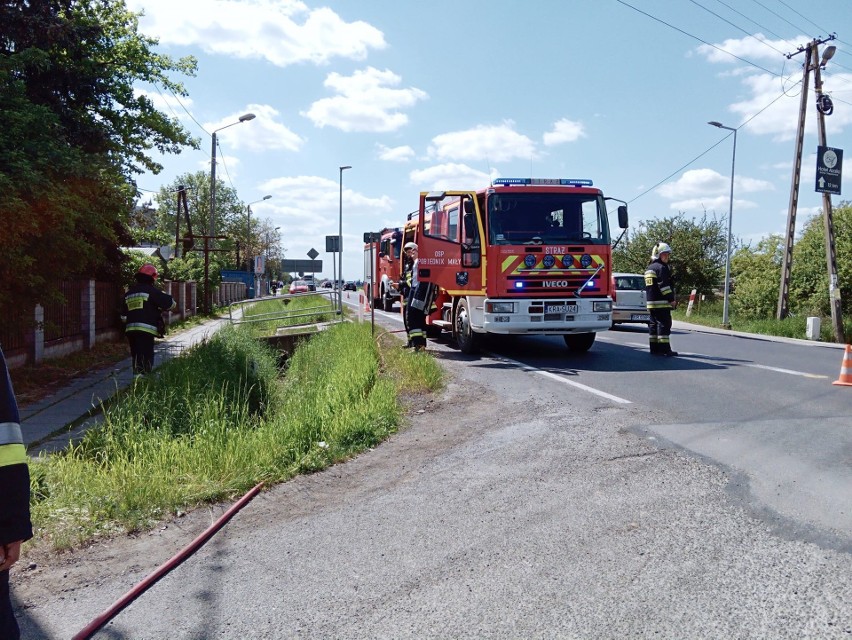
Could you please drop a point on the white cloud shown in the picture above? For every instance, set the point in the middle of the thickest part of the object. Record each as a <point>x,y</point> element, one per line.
<point>757,49</point>
<point>283,32</point>
<point>448,176</point>
<point>708,189</point>
<point>366,101</point>
<point>703,182</point>
<point>775,100</point>
<point>395,154</point>
<point>263,133</point>
<point>564,130</point>
<point>307,209</point>
<point>492,143</point>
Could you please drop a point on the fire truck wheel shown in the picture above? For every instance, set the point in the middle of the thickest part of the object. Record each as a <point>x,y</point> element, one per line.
<point>579,342</point>
<point>466,339</point>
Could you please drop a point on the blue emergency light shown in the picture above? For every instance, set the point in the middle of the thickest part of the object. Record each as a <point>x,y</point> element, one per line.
<point>534,182</point>
<point>519,284</point>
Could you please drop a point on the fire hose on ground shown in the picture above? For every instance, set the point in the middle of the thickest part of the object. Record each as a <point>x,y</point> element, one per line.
<point>166,567</point>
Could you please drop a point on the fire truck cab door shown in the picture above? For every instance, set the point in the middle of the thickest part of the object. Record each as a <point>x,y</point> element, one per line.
<point>450,243</point>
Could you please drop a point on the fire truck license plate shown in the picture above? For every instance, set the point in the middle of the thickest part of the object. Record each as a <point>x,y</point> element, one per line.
<point>560,308</point>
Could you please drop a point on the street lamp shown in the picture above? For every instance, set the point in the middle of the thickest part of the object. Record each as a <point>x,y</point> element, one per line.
<point>248,238</point>
<point>340,238</point>
<point>243,118</point>
<point>266,267</point>
<point>248,223</point>
<point>730,218</point>
<point>208,294</point>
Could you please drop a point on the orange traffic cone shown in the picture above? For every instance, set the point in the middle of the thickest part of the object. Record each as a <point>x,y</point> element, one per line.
<point>845,378</point>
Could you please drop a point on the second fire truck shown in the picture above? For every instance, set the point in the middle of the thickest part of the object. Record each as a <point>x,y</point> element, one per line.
<point>382,268</point>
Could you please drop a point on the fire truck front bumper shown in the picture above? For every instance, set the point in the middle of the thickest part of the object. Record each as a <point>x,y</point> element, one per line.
<point>546,317</point>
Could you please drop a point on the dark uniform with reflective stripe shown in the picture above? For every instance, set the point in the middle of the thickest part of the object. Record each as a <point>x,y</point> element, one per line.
<point>420,298</point>
<point>142,308</point>
<point>404,286</point>
<point>659,293</point>
<point>15,525</point>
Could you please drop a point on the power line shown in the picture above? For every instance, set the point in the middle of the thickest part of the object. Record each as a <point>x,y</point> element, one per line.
<point>755,23</point>
<point>706,151</point>
<point>763,42</point>
<point>694,37</point>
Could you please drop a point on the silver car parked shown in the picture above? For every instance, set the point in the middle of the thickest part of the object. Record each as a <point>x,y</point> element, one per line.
<point>628,298</point>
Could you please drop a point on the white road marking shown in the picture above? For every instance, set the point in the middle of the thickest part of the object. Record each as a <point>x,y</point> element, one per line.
<point>789,371</point>
<point>562,379</point>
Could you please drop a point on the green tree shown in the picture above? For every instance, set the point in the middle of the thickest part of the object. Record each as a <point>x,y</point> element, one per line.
<point>809,273</point>
<point>74,134</point>
<point>698,250</point>
<point>757,274</point>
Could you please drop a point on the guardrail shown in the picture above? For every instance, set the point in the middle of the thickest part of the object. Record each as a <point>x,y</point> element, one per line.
<point>328,304</point>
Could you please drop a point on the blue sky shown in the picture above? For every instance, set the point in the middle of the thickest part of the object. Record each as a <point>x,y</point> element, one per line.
<point>449,94</point>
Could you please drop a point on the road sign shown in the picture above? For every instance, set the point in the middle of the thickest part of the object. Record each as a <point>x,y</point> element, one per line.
<point>332,244</point>
<point>293,266</point>
<point>829,170</point>
<point>313,253</point>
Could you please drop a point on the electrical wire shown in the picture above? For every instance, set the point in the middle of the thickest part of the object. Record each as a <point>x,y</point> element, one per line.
<point>755,23</point>
<point>706,151</point>
<point>694,37</point>
<point>763,42</point>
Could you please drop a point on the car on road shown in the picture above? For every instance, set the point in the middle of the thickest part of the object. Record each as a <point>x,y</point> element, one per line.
<point>299,286</point>
<point>328,284</point>
<point>350,286</point>
<point>628,298</point>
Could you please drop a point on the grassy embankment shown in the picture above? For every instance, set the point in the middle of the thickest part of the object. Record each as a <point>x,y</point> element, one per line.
<point>709,314</point>
<point>221,418</point>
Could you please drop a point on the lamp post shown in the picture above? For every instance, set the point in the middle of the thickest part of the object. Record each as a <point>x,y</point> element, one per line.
<point>340,238</point>
<point>267,269</point>
<point>243,118</point>
<point>725,321</point>
<point>248,239</point>
<point>208,294</point>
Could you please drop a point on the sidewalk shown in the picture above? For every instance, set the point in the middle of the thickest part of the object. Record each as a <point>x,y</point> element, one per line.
<point>48,425</point>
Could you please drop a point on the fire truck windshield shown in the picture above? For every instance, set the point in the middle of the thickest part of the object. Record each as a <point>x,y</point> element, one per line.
<point>559,217</point>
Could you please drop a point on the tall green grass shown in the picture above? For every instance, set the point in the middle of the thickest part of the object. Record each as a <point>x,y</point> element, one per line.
<point>709,314</point>
<point>216,421</point>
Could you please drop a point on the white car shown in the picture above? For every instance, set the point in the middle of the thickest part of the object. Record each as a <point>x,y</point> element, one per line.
<point>628,298</point>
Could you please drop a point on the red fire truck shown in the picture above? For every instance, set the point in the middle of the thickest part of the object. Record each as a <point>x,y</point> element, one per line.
<point>526,256</point>
<point>382,268</point>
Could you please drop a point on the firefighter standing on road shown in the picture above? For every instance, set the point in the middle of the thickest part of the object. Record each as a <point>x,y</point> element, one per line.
<point>419,300</point>
<point>404,286</point>
<point>142,312</point>
<point>15,525</point>
<point>659,290</point>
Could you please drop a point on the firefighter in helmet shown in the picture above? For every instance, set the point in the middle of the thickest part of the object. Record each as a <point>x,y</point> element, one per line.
<point>404,285</point>
<point>420,297</point>
<point>660,296</point>
<point>142,310</point>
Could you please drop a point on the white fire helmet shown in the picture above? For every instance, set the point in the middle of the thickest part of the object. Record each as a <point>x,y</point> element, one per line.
<point>659,248</point>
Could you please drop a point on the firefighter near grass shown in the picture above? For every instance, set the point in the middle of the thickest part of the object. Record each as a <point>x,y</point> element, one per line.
<point>525,256</point>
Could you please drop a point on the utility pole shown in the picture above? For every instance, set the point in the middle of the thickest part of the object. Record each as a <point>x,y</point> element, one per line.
<point>812,62</point>
<point>787,262</point>
<point>830,252</point>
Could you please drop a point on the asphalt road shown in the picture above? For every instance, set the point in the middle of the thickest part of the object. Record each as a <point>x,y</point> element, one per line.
<point>545,495</point>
